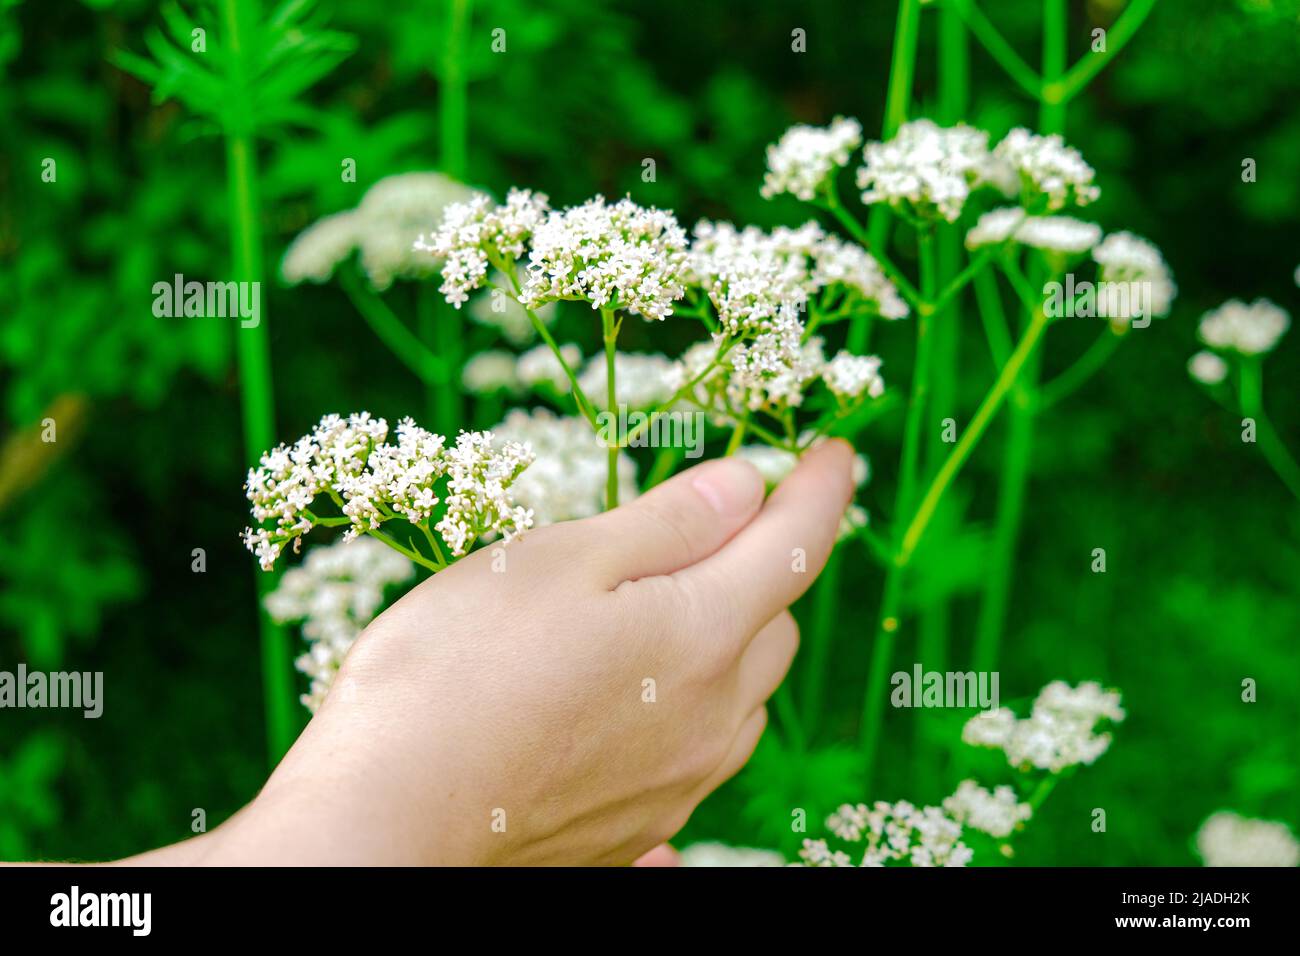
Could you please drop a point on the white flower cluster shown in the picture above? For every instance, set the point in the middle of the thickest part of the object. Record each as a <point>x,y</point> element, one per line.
<point>893,833</point>
<point>336,591</point>
<point>997,812</point>
<point>1227,839</point>
<point>1207,368</point>
<point>371,480</point>
<point>491,371</point>
<point>620,256</point>
<point>642,380</point>
<point>1248,329</point>
<point>383,227</point>
<point>750,276</point>
<point>1052,175</point>
<point>1063,234</point>
<point>476,234</point>
<point>567,478</point>
<point>1059,733</point>
<point>926,170</point>
<point>848,375</point>
<point>774,368</point>
<point>1125,258</point>
<point>722,855</point>
<point>806,157</point>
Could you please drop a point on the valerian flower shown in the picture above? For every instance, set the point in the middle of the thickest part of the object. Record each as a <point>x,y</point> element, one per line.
<point>335,593</point>
<point>477,234</point>
<point>926,171</point>
<point>1061,234</point>
<point>721,855</point>
<point>1123,257</point>
<point>849,376</point>
<point>1247,329</point>
<point>1051,174</point>
<point>997,812</point>
<point>894,833</point>
<point>383,228</point>
<point>1207,368</point>
<point>1059,733</point>
<point>489,372</point>
<point>567,478</point>
<point>620,256</point>
<point>1228,839</point>
<point>371,481</point>
<point>806,157</point>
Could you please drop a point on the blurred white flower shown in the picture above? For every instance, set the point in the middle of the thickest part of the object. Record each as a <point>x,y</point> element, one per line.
<point>1249,329</point>
<point>926,170</point>
<point>383,228</point>
<point>621,256</point>
<point>642,380</point>
<point>336,591</point>
<point>489,372</point>
<point>1060,731</point>
<point>1052,175</point>
<point>567,477</point>
<point>805,157</point>
<point>995,226</point>
<point>1126,258</point>
<point>997,812</point>
<point>893,833</point>
<point>1063,234</point>
<point>539,366</point>
<point>721,855</point>
<point>1207,368</point>
<point>498,309</point>
<point>1227,839</point>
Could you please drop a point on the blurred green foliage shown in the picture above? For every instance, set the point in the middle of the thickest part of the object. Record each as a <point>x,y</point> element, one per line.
<point>95,541</point>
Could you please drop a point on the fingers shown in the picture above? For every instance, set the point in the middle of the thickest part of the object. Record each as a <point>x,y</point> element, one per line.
<point>769,563</point>
<point>660,856</point>
<point>679,522</point>
<point>766,661</point>
<point>742,748</point>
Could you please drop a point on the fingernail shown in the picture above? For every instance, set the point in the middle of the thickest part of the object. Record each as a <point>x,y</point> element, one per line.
<point>729,485</point>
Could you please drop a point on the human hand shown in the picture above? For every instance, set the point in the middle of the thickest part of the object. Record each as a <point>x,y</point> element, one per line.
<point>567,699</point>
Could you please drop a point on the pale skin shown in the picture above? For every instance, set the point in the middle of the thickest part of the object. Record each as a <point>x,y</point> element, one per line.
<point>503,716</point>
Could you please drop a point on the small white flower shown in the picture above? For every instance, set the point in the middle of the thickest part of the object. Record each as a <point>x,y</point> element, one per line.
<point>926,170</point>
<point>805,157</point>
<point>620,256</point>
<point>1063,234</point>
<point>474,234</point>
<point>849,376</point>
<point>893,833</point>
<point>1052,174</point>
<point>997,812</point>
<point>1207,368</point>
<point>1248,329</point>
<point>1060,731</point>
<point>489,372</point>
<point>317,250</point>
<point>1227,839</point>
<point>1132,260</point>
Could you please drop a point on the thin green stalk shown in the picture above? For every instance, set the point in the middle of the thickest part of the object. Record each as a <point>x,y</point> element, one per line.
<point>666,460</point>
<point>737,434</point>
<point>1051,111</point>
<point>401,341</point>
<point>453,94</point>
<point>1085,367</point>
<point>998,48</point>
<point>1085,70</point>
<point>611,397</point>
<point>993,317</point>
<point>257,397</point>
<point>888,621</point>
<point>1251,385</point>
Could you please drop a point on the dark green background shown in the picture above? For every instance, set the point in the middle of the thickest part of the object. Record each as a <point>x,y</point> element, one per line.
<point>1203,563</point>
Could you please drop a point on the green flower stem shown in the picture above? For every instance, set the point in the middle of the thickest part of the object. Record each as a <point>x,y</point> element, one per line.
<point>1085,70</point>
<point>257,397</point>
<point>453,93</point>
<point>1051,110</point>
<point>401,341</point>
<point>666,460</point>
<point>411,553</point>
<point>681,394</point>
<point>860,235</point>
<point>1251,385</point>
<point>993,317</point>
<point>1018,362</point>
<point>887,628</point>
<point>983,29</point>
<point>1042,791</point>
<point>902,66</point>
<point>610,329</point>
<point>1085,367</point>
<point>789,714</point>
<point>737,434</point>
